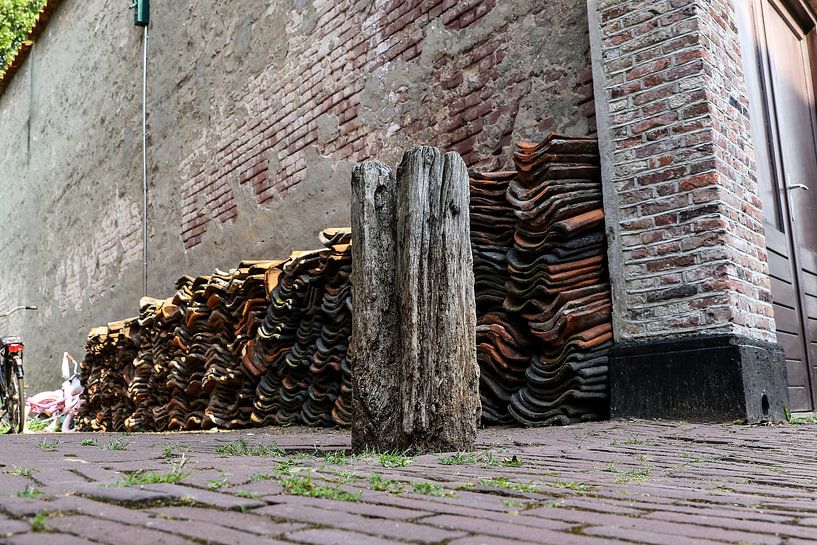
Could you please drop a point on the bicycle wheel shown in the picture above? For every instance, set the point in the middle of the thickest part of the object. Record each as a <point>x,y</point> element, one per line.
<point>15,402</point>
<point>5,418</point>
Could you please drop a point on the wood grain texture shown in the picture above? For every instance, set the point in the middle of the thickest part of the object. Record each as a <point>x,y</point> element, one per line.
<point>374,351</point>
<point>437,312</point>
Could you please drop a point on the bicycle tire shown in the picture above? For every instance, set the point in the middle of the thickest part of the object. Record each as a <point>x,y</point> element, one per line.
<point>5,419</point>
<point>21,404</point>
<point>16,401</point>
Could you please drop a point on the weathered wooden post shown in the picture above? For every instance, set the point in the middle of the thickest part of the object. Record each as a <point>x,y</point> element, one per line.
<point>439,381</point>
<point>375,332</point>
<point>425,398</point>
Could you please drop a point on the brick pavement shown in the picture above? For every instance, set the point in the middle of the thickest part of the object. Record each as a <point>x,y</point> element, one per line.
<point>611,482</point>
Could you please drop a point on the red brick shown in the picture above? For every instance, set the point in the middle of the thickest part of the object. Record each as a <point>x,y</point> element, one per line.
<point>671,263</point>
<point>656,121</point>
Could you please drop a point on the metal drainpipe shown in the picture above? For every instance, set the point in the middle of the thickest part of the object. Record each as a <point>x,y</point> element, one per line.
<point>141,17</point>
<point>145,163</point>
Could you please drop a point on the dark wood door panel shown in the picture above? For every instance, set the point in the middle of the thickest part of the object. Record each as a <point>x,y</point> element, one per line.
<point>792,345</point>
<point>797,374</point>
<point>799,398</point>
<point>807,258</point>
<point>810,306</point>
<point>779,265</point>
<point>808,281</point>
<point>786,319</point>
<point>783,293</point>
<point>810,328</point>
<point>776,240</point>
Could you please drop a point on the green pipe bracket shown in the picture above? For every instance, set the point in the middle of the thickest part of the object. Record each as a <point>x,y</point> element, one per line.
<point>141,15</point>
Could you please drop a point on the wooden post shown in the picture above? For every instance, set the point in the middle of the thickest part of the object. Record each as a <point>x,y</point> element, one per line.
<point>425,318</point>
<point>440,377</point>
<point>374,351</point>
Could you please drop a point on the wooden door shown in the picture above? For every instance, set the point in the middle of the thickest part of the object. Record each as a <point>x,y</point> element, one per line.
<point>779,37</point>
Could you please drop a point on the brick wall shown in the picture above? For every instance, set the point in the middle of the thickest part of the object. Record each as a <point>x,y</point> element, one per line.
<point>257,112</point>
<point>691,238</point>
<point>468,100</point>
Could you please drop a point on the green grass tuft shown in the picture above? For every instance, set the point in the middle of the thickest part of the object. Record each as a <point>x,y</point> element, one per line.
<point>171,450</point>
<point>29,492</point>
<point>154,477</point>
<point>393,459</point>
<point>286,467</point>
<point>39,521</point>
<point>385,485</point>
<point>342,477</point>
<point>302,485</point>
<point>240,447</point>
<point>502,482</point>
<point>431,489</point>
<point>37,424</point>
<point>634,475</point>
<point>174,476</point>
<point>457,459</point>
<point>635,440</point>
<point>520,505</point>
<point>805,419</point>
<point>489,459</point>
<point>48,444</point>
<point>117,444</point>
<point>336,457</point>
<point>513,461</point>
<point>247,494</point>
<point>216,484</point>
<point>578,486</point>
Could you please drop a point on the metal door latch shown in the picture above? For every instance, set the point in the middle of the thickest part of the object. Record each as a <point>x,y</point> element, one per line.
<point>795,186</point>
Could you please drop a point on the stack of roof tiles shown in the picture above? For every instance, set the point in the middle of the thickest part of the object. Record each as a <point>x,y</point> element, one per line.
<point>181,378</point>
<point>143,391</point>
<point>189,351</point>
<point>300,351</point>
<point>235,303</point>
<point>266,343</point>
<point>503,345</point>
<point>559,282</point>
<point>208,356</point>
<point>107,372</point>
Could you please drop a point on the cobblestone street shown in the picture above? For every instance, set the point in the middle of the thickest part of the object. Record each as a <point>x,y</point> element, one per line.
<point>612,482</point>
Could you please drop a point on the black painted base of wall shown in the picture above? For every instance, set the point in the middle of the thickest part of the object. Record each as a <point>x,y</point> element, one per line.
<point>706,378</point>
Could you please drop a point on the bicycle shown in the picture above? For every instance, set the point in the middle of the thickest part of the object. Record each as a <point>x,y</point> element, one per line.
<point>12,389</point>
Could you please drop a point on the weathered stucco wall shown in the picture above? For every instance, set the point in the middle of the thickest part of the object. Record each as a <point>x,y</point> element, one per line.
<point>257,112</point>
